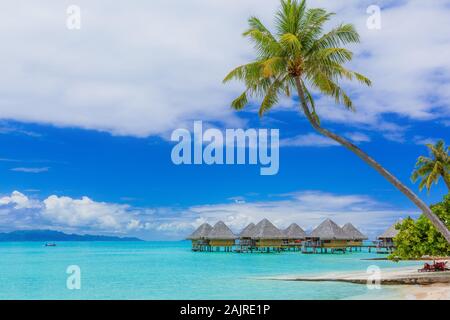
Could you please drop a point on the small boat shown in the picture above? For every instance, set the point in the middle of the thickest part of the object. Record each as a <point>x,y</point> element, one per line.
<point>50,244</point>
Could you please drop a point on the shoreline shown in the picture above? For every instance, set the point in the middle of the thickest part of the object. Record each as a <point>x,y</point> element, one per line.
<point>388,276</point>
<point>418,259</point>
<point>407,283</point>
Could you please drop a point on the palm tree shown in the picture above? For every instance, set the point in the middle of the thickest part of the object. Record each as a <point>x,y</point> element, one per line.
<point>300,56</point>
<point>430,169</point>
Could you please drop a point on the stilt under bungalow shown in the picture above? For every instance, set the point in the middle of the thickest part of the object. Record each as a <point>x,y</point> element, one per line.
<point>245,241</point>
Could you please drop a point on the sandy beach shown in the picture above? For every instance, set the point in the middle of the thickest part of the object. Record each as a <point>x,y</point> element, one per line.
<point>409,292</point>
<point>405,283</point>
<point>420,292</point>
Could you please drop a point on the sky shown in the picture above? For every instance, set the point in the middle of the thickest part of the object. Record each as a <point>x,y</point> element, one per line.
<point>86,118</point>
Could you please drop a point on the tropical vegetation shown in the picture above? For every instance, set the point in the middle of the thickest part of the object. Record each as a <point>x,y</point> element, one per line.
<point>300,57</point>
<point>418,238</point>
<point>430,169</point>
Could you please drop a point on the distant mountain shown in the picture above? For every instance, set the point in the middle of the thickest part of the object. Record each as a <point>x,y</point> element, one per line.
<point>49,235</point>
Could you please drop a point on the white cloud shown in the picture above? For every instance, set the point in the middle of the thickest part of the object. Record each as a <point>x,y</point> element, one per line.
<point>85,212</point>
<point>308,209</point>
<point>406,60</point>
<point>85,215</point>
<point>134,224</point>
<point>423,141</point>
<point>308,140</point>
<point>136,69</point>
<point>358,137</point>
<point>17,211</point>
<point>174,227</point>
<point>237,199</point>
<point>147,68</point>
<point>7,129</point>
<point>30,170</point>
<point>316,140</point>
<point>18,201</point>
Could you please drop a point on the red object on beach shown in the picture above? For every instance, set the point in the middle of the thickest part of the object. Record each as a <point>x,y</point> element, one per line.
<point>436,266</point>
<point>440,266</point>
<point>426,268</point>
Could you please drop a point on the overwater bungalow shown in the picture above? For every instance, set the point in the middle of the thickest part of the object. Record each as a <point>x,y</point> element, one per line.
<point>221,237</point>
<point>267,237</point>
<point>245,241</point>
<point>328,236</point>
<point>294,235</point>
<point>386,240</point>
<point>198,237</point>
<point>356,237</point>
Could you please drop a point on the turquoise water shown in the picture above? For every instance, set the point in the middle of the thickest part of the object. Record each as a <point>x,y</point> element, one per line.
<point>170,270</point>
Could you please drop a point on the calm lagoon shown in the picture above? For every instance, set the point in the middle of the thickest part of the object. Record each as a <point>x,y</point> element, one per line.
<point>170,270</point>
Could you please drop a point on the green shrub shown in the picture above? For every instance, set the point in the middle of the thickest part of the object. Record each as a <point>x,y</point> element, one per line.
<point>418,238</point>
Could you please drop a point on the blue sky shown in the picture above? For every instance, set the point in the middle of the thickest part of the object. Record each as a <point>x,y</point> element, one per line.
<point>85,124</point>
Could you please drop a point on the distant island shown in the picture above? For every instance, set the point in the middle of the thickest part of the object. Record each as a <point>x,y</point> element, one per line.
<point>50,235</point>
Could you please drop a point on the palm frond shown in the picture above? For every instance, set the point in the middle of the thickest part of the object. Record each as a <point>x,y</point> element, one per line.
<point>290,43</point>
<point>244,72</point>
<point>337,55</point>
<point>256,24</point>
<point>272,66</point>
<point>329,87</point>
<point>263,43</point>
<point>423,160</point>
<point>271,98</point>
<point>432,177</point>
<point>312,25</point>
<point>240,102</point>
<point>287,19</point>
<point>362,79</point>
<point>339,36</point>
<point>422,184</point>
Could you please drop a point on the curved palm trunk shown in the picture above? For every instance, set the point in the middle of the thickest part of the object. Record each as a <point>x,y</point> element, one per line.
<point>440,226</point>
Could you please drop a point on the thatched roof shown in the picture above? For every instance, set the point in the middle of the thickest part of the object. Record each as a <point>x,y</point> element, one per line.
<point>201,232</point>
<point>294,232</point>
<point>247,231</point>
<point>391,232</point>
<point>220,231</point>
<point>354,233</point>
<point>329,230</point>
<point>266,230</point>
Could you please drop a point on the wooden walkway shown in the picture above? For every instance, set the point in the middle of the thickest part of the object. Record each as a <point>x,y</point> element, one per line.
<point>303,249</point>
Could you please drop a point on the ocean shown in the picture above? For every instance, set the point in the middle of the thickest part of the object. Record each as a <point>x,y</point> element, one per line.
<point>170,270</point>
